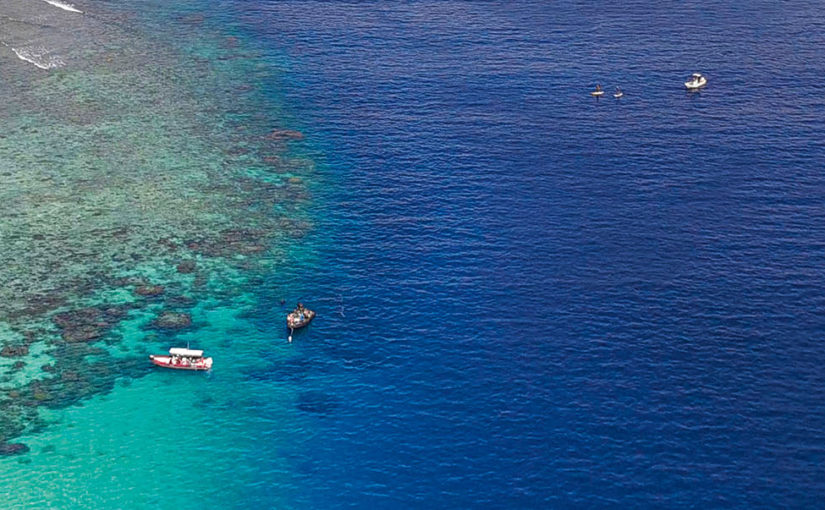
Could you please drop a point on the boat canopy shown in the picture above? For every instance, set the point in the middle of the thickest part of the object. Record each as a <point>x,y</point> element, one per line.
<point>180,351</point>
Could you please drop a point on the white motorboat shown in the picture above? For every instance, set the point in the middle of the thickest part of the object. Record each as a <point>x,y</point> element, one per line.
<point>182,359</point>
<point>598,92</point>
<point>696,81</point>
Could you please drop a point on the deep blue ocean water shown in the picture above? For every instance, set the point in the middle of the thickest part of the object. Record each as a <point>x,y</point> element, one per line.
<point>532,298</point>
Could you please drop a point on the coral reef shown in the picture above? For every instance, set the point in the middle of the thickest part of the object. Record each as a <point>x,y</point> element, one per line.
<point>127,186</point>
<point>172,320</point>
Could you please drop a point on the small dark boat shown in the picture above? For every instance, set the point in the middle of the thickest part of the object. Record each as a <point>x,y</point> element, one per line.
<point>299,317</point>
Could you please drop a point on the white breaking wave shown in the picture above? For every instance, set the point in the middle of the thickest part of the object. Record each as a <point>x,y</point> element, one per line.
<point>63,5</point>
<point>39,57</point>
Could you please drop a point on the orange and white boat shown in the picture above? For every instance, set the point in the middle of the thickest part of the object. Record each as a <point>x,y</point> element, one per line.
<point>182,359</point>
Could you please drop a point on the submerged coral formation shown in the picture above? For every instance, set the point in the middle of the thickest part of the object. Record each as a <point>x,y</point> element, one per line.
<point>130,176</point>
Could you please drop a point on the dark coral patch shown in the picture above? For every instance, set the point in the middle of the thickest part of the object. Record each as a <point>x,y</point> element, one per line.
<point>172,320</point>
<point>181,301</point>
<point>149,290</point>
<point>316,402</point>
<point>232,242</point>
<point>187,266</point>
<point>285,134</point>
<point>87,324</point>
<point>14,351</point>
<point>84,333</point>
<point>7,449</point>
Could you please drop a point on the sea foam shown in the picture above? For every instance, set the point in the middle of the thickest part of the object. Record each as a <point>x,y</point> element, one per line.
<point>39,57</point>
<point>63,5</point>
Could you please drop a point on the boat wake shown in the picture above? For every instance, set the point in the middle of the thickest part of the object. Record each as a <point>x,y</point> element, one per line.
<point>63,5</point>
<point>39,57</point>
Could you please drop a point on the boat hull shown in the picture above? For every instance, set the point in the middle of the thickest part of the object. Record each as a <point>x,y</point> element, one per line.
<point>166,362</point>
<point>293,321</point>
<point>696,84</point>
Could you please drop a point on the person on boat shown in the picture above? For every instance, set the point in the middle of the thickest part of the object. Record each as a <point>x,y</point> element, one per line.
<point>598,88</point>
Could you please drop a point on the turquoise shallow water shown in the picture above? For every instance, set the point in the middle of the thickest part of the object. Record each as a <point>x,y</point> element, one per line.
<point>149,173</point>
<point>168,440</point>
